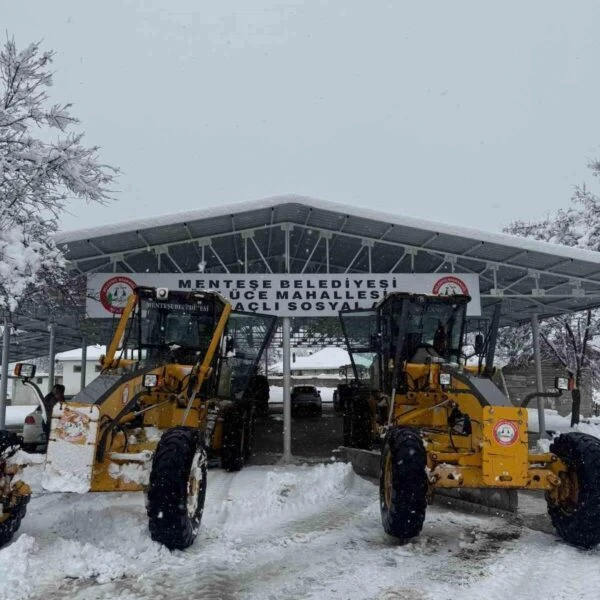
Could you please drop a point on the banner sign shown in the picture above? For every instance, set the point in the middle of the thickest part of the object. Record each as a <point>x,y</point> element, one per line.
<point>285,295</point>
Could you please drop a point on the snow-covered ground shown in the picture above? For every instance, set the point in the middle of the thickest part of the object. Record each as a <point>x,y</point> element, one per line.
<point>286,532</point>
<point>290,532</point>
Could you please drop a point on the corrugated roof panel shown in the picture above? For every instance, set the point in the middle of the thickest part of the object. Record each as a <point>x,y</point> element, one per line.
<point>495,252</point>
<point>216,223</point>
<point>451,244</point>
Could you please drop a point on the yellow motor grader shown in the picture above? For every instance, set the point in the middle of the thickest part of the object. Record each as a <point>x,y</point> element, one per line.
<point>170,394</point>
<point>442,424</point>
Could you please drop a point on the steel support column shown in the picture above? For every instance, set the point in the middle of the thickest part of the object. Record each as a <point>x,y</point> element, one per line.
<point>4,380</point>
<point>83,362</point>
<point>287,404</point>
<point>51,355</point>
<point>535,329</point>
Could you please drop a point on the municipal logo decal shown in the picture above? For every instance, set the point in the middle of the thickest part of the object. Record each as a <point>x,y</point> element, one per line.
<point>450,286</point>
<point>115,292</point>
<point>506,433</point>
<point>73,427</point>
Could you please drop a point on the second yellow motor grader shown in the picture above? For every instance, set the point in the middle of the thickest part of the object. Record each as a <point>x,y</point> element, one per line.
<point>442,424</point>
<point>171,393</point>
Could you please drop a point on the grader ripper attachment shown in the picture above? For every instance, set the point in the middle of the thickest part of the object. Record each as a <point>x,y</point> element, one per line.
<point>441,424</point>
<point>171,395</point>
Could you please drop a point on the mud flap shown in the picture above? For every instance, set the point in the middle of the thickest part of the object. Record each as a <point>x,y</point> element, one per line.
<point>71,449</point>
<point>367,464</point>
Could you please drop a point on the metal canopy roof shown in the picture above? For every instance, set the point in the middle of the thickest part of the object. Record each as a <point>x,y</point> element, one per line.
<point>304,235</point>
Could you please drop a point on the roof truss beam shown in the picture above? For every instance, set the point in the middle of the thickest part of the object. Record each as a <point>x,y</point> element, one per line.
<point>339,233</point>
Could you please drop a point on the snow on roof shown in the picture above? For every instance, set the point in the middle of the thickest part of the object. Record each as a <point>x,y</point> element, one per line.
<point>93,353</point>
<point>394,219</point>
<point>325,359</point>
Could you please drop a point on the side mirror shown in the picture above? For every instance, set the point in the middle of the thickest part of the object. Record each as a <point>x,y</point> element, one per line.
<point>479,344</point>
<point>24,370</point>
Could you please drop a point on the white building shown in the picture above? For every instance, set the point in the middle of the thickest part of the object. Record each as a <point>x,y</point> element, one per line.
<point>325,362</point>
<point>21,395</point>
<point>70,361</point>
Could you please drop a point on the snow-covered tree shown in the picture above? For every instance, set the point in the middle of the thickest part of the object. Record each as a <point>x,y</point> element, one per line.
<point>565,339</point>
<point>43,163</point>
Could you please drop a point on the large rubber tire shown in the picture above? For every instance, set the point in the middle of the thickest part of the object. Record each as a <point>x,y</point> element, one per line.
<point>232,446</point>
<point>403,483</point>
<point>177,489</point>
<point>12,522</point>
<point>576,517</point>
<point>249,431</point>
<point>357,423</point>
<point>262,407</point>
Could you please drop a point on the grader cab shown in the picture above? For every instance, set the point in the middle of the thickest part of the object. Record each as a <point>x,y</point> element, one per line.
<point>171,395</point>
<point>442,424</point>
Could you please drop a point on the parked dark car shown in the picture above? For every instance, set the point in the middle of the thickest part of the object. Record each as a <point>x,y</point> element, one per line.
<point>306,399</point>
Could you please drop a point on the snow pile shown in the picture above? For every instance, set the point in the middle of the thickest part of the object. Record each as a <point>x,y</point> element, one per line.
<point>287,532</point>
<point>15,564</point>
<point>104,537</point>
<point>289,491</point>
<point>131,472</point>
<point>100,538</point>
<point>558,424</point>
<point>31,469</point>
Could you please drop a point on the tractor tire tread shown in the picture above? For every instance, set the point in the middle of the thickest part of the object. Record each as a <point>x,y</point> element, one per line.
<point>404,518</point>
<point>232,450</point>
<point>11,525</point>
<point>581,526</point>
<point>169,522</point>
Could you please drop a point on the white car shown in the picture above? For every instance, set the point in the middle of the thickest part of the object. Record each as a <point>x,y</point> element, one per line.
<point>34,434</point>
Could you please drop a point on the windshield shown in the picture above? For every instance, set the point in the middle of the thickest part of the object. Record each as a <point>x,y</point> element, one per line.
<point>435,325</point>
<point>185,327</point>
<point>245,339</point>
<point>360,332</point>
<point>179,328</point>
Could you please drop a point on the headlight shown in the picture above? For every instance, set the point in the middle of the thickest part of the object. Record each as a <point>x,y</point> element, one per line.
<point>445,379</point>
<point>150,380</point>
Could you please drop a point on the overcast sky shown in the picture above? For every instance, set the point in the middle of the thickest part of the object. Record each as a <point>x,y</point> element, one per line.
<point>472,113</point>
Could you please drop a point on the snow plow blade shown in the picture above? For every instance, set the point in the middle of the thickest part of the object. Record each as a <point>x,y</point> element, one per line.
<point>489,500</point>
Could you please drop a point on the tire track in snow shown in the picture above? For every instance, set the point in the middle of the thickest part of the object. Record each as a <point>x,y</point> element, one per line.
<point>310,556</point>
<point>331,545</point>
<point>228,564</point>
<point>515,577</point>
